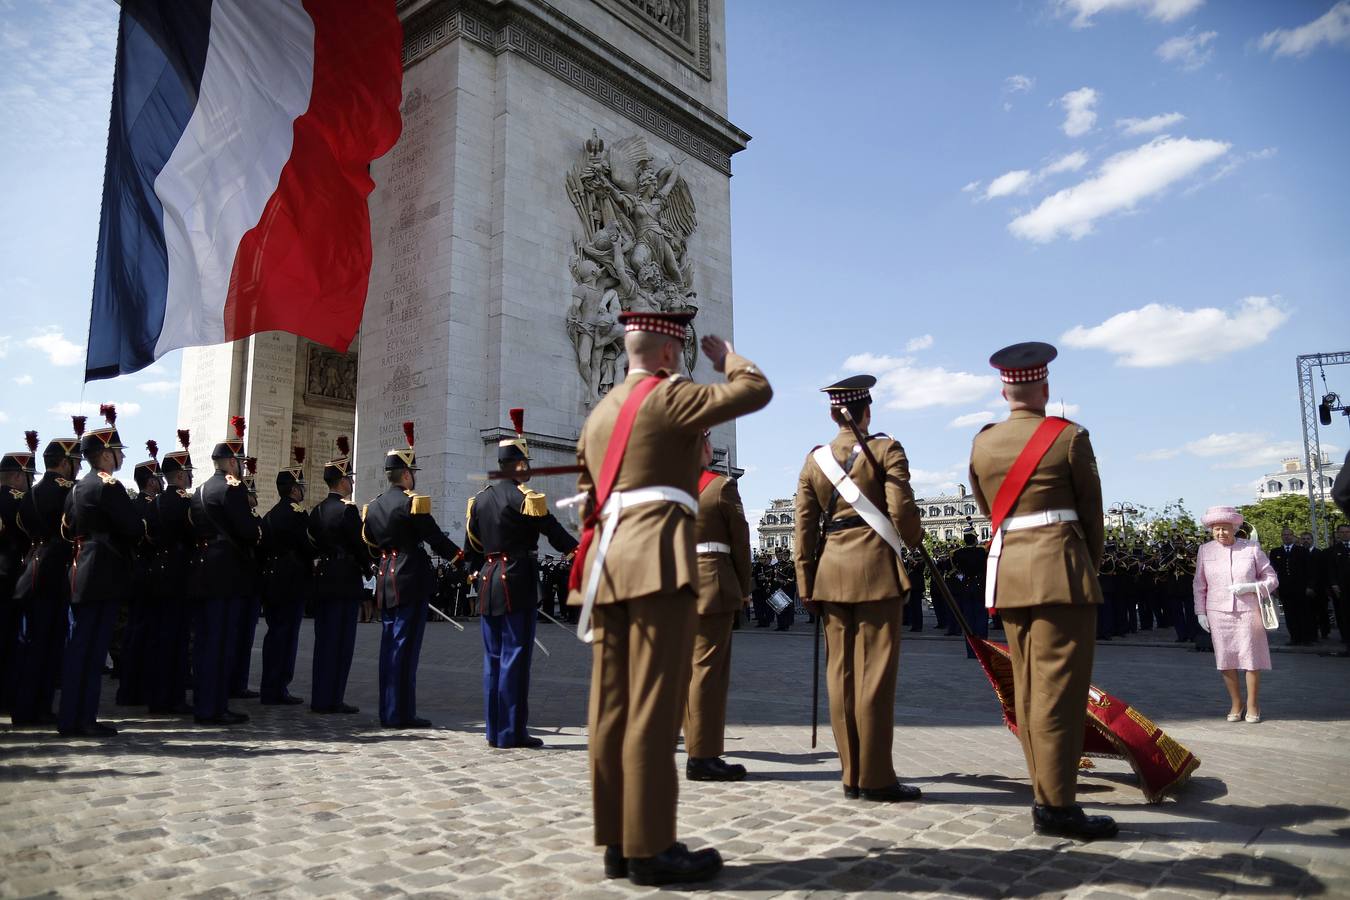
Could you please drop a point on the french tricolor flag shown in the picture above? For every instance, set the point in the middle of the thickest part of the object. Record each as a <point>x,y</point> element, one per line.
<point>234,199</point>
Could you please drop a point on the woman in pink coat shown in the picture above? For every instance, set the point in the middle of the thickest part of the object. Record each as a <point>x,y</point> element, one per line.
<point>1228,573</point>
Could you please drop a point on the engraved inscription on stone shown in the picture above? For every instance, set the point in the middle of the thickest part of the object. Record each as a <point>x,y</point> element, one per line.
<point>636,215</point>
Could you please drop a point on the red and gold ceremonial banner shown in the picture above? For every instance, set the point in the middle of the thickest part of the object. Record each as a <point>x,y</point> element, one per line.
<point>1114,728</point>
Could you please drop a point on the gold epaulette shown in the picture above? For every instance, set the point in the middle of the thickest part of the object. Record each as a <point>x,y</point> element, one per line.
<point>64,482</point>
<point>363,509</point>
<point>16,494</point>
<point>108,477</point>
<point>420,505</point>
<point>536,504</point>
<point>297,507</point>
<point>182,493</point>
<point>232,481</point>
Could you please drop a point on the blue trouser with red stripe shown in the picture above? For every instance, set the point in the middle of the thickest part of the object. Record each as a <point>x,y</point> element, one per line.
<point>215,623</point>
<point>508,647</point>
<point>334,641</point>
<point>91,628</point>
<point>400,648</point>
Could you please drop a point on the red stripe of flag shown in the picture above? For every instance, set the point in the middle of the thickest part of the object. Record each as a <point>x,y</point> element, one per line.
<point>305,267</point>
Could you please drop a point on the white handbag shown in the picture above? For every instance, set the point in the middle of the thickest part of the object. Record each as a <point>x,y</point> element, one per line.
<point>1269,618</point>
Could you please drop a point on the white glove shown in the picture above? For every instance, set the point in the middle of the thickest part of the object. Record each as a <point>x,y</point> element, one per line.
<point>1243,587</point>
<point>1204,623</point>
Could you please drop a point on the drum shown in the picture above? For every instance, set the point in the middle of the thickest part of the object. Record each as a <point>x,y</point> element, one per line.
<point>780,601</point>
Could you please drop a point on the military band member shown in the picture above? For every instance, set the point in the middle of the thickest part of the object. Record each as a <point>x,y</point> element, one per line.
<point>171,622</point>
<point>638,586</point>
<point>286,582</point>
<point>132,666</point>
<point>857,583</point>
<point>43,590</point>
<point>396,525</point>
<point>504,523</point>
<point>16,479</point>
<point>102,520</point>
<point>1042,575</point>
<point>724,574</point>
<point>227,533</point>
<point>968,565</point>
<point>339,589</point>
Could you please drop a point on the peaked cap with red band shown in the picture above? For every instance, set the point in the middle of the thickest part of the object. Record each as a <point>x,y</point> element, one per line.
<point>1024,363</point>
<point>671,324</point>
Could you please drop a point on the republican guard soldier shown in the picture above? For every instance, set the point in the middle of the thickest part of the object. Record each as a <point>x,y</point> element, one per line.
<point>969,562</point>
<point>103,522</point>
<point>16,479</point>
<point>171,625</point>
<point>396,525</point>
<point>286,582</point>
<point>851,519</point>
<point>503,525</point>
<point>227,535</point>
<point>241,653</point>
<point>343,562</point>
<point>638,586</point>
<point>43,590</point>
<point>133,662</point>
<point>1036,477</point>
<point>723,548</point>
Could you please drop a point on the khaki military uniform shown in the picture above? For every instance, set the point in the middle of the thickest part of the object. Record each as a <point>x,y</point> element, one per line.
<point>645,614</point>
<point>861,583</point>
<point>1047,593</point>
<point>723,585</point>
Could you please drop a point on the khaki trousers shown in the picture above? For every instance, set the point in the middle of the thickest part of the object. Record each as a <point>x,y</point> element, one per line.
<point>862,646</point>
<point>639,681</point>
<point>1051,649</point>
<point>705,719</point>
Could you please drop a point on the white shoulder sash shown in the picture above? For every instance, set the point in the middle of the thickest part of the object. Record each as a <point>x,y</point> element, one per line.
<point>877,520</point>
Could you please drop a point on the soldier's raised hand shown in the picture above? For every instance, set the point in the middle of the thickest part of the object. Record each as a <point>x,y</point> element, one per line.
<point>716,349</point>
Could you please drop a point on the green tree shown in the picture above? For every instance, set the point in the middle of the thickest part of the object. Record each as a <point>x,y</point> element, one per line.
<point>1271,515</point>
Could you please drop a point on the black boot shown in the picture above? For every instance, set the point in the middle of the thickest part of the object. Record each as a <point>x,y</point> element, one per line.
<point>1071,822</point>
<point>896,793</point>
<point>713,768</point>
<point>616,864</point>
<point>675,866</point>
<point>851,793</point>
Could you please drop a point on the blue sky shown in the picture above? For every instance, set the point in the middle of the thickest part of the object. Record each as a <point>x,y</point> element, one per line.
<point>1157,186</point>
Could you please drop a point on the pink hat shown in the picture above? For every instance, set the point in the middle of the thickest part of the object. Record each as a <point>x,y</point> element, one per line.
<point>1216,514</point>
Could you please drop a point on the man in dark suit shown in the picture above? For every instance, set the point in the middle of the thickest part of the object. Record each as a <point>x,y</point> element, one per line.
<point>171,620</point>
<point>227,534</point>
<point>16,479</point>
<point>396,525</point>
<point>1293,565</point>
<point>43,589</point>
<point>286,582</point>
<point>969,562</point>
<point>1337,569</point>
<point>343,562</point>
<point>103,522</point>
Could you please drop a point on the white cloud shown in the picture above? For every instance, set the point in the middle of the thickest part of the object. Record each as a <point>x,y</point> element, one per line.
<point>1232,450</point>
<point>1162,10</point>
<point>60,352</point>
<point>1190,50</point>
<point>970,187</point>
<point>922,342</point>
<point>1008,183</point>
<point>1120,184</point>
<point>1151,125</point>
<point>1069,162</point>
<point>1157,335</point>
<point>23,379</point>
<point>903,385</point>
<point>971,419</point>
<point>90,408</point>
<point>158,387</point>
<point>1331,28</point>
<point>934,482</point>
<point>4,417</point>
<point>1018,84</point>
<point>4,345</point>
<point>1231,166</point>
<point>1079,115</point>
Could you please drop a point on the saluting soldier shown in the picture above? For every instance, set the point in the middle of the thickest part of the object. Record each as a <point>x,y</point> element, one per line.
<point>286,582</point>
<point>241,659</point>
<point>43,590</point>
<point>133,664</point>
<point>170,627</point>
<point>1036,477</point>
<point>343,562</point>
<point>857,583</point>
<point>396,524</point>
<point>503,524</point>
<point>16,479</point>
<point>638,586</point>
<point>227,534</point>
<point>723,548</point>
<point>102,520</point>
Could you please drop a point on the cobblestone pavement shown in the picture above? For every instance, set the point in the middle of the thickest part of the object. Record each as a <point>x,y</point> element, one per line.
<point>301,805</point>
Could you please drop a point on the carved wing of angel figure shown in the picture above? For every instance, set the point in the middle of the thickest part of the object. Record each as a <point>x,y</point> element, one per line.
<point>677,214</point>
<point>626,159</point>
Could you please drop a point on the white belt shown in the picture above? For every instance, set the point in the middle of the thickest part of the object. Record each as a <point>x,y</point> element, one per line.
<point>1018,523</point>
<point>713,547</point>
<point>617,502</point>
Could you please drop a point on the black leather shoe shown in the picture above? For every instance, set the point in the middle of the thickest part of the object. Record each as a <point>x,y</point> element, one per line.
<point>347,710</point>
<point>417,723</point>
<point>675,866</point>
<point>529,742</point>
<point>98,729</point>
<point>71,732</point>
<point>1071,822</point>
<point>896,793</point>
<point>616,864</point>
<point>245,695</point>
<point>851,793</point>
<point>285,700</point>
<point>713,768</point>
<point>230,717</point>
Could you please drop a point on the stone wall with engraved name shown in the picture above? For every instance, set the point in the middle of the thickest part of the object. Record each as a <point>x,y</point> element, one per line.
<point>473,230</point>
<point>211,389</point>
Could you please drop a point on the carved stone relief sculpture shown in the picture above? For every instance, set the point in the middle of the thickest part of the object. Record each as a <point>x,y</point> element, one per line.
<point>330,377</point>
<point>636,217</point>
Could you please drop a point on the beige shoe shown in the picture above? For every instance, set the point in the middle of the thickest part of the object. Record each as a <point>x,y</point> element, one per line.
<point>1252,720</point>
<point>1235,717</point>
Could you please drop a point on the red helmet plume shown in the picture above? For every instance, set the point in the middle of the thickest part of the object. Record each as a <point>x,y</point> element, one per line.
<point>251,465</point>
<point>344,446</point>
<point>31,438</point>
<point>183,437</point>
<point>108,412</point>
<point>299,455</point>
<point>153,448</point>
<point>518,420</point>
<point>408,432</point>
<point>77,422</point>
<point>237,423</point>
